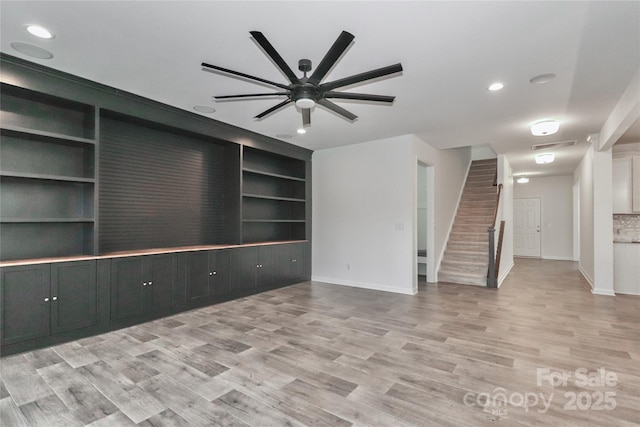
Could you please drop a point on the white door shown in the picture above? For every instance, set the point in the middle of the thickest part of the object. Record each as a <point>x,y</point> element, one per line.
<point>526,233</point>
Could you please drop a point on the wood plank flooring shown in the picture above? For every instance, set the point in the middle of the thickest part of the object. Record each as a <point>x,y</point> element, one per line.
<point>315,354</point>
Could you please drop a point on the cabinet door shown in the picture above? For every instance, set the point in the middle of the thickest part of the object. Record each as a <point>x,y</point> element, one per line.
<point>270,266</point>
<point>160,277</point>
<point>73,295</point>
<point>24,299</point>
<point>622,178</point>
<point>198,277</point>
<point>297,262</point>
<point>219,261</point>
<point>127,292</point>
<point>244,265</point>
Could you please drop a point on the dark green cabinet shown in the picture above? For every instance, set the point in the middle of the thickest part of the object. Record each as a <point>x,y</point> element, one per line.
<point>73,300</point>
<point>252,269</point>
<point>47,299</point>
<point>207,276</point>
<point>142,285</point>
<point>25,303</point>
<point>296,262</point>
<point>266,267</point>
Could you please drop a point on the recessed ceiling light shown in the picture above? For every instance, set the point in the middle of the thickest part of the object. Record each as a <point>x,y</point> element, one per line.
<point>542,78</point>
<point>39,31</point>
<point>545,127</point>
<point>31,50</point>
<point>495,86</point>
<point>301,131</point>
<point>522,180</point>
<point>542,159</point>
<point>204,109</point>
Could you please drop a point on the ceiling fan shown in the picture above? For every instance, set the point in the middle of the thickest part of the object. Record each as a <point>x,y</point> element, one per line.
<point>305,91</point>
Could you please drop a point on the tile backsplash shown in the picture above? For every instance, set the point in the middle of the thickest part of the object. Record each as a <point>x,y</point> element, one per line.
<point>626,228</point>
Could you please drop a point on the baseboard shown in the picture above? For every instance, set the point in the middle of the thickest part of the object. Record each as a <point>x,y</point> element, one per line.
<point>607,292</point>
<point>586,277</point>
<point>627,293</point>
<point>558,258</point>
<point>504,274</point>
<point>362,285</point>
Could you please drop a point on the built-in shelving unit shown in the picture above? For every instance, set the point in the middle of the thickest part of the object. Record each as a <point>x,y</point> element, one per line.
<point>115,209</point>
<point>273,197</point>
<point>47,174</point>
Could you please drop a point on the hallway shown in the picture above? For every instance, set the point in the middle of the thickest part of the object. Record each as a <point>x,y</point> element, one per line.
<point>327,355</point>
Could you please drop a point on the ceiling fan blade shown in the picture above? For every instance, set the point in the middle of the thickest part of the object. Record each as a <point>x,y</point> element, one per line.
<point>359,96</point>
<point>272,109</point>
<point>275,56</point>
<point>251,95</point>
<point>334,53</point>
<point>246,76</point>
<point>306,117</point>
<point>357,78</point>
<point>337,109</point>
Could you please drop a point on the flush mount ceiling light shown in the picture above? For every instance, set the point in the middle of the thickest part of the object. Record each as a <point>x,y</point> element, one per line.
<point>39,31</point>
<point>301,131</point>
<point>495,86</point>
<point>545,158</point>
<point>522,180</point>
<point>545,127</point>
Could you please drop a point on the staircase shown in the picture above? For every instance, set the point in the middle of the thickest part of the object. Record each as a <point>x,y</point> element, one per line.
<point>466,258</point>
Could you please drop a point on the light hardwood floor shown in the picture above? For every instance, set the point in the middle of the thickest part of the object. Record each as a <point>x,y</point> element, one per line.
<point>325,355</point>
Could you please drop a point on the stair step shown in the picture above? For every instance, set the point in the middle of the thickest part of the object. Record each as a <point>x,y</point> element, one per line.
<point>466,256</point>
<point>460,278</point>
<point>468,246</point>
<point>469,237</point>
<point>474,219</point>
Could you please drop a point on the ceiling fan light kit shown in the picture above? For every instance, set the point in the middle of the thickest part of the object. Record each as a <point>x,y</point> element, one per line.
<point>305,92</point>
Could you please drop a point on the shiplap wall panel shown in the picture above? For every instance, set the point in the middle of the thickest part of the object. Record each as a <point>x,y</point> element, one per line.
<point>158,188</point>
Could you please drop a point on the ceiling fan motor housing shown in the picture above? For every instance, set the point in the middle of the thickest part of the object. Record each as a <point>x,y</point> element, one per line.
<point>304,65</point>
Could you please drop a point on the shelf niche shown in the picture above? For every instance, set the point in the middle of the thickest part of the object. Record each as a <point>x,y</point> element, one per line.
<point>23,108</point>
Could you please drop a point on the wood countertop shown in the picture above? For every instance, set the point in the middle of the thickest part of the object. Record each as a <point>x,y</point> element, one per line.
<point>141,252</point>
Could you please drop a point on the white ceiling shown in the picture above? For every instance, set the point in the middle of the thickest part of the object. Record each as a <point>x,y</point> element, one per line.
<point>450,51</point>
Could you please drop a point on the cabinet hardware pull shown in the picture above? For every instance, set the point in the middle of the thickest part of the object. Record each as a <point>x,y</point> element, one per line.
<point>144,284</point>
<point>55,298</point>
<point>150,283</point>
<point>46,299</point>
<point>215,272</point>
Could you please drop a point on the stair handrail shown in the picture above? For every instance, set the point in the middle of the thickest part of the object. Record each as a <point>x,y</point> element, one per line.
<point>492,273</point>
<point>495,213</point>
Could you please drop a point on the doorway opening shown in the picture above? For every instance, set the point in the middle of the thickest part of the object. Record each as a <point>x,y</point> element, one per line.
<point>423,257</point>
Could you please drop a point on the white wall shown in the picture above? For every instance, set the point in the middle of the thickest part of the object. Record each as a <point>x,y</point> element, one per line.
<point>556,196</point>
<point>363,214</point>
<point>505,213</point>
<point>482,152</point>
<point>596,219</point>
<point>584,173</point>
<point>365,210</point>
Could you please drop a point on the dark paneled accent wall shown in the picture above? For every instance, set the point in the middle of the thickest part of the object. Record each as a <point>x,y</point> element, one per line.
<point>162,187</point>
